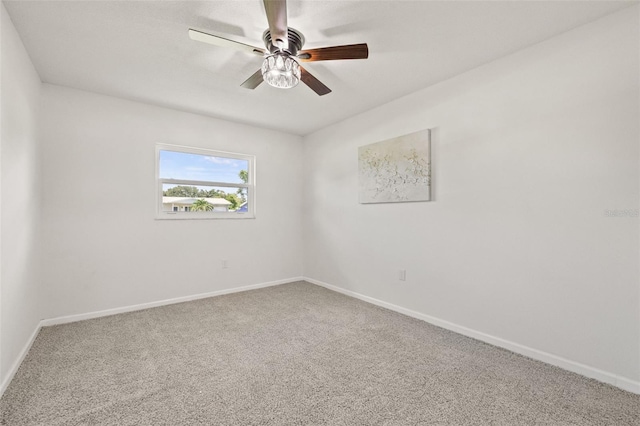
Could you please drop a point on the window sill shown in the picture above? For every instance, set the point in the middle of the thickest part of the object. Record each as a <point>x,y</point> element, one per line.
<point>204,216</point>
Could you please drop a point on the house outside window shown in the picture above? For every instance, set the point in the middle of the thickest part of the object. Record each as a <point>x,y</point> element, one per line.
<point>196,183</point>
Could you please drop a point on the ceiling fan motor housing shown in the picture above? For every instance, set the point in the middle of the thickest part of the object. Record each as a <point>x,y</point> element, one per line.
<point>295,38</point>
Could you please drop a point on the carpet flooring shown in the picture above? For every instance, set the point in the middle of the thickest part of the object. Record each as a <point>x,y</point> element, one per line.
<point>294,354</point>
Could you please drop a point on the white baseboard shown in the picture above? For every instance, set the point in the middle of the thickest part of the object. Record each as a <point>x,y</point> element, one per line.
<point>21,356</point>
<point>585,370</point>
<point>131,308</point>
<point>139,307</point>
<point>566,364</point>
<point>628,384</point>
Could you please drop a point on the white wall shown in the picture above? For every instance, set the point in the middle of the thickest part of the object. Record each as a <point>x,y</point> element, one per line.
<point>528,153</point>
<point>20,194</point>
<point>103,247</point>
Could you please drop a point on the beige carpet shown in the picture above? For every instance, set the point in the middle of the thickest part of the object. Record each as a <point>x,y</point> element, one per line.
<point>294,354</point>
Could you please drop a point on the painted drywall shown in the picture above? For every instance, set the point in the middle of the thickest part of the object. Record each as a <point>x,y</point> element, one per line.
<point>20,198</point>
<point>529,154</point>
<point>104,249</point>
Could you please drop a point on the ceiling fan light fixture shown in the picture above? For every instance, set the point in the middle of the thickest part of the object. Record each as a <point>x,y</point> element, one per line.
<point>281,70</point>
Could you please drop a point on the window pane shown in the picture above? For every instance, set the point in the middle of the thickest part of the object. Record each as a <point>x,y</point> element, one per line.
<point>182,165</point>
<point>195,199</point>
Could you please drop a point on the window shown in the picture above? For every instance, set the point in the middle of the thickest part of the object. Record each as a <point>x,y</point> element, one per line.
<point>194,183</point>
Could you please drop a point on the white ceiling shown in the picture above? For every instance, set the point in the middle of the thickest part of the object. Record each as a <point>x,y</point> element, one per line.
<point>140,50</point>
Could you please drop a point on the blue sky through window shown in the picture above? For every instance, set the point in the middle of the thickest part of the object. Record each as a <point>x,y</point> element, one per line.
<point>182,165</point>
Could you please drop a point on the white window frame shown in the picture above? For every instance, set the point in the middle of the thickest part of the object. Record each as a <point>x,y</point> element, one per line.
<point>250,185</point>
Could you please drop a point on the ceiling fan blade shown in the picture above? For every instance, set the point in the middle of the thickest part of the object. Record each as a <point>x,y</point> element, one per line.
<point>277,17</point>
<point>350,51</point>
<point>253,81</point>
<point>224,42</point>
<point>315,84</point>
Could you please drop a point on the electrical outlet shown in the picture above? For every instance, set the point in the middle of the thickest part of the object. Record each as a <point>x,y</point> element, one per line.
<point>225,264</point>
<point>402,275</point>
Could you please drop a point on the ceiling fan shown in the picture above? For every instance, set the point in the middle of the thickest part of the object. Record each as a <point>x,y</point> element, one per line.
<point>280,67</point>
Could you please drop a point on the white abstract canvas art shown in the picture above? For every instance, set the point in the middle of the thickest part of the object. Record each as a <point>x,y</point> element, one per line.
<point>396,170</point>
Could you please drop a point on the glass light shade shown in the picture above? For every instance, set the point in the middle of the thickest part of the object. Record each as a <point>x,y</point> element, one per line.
<point>281,70</point>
